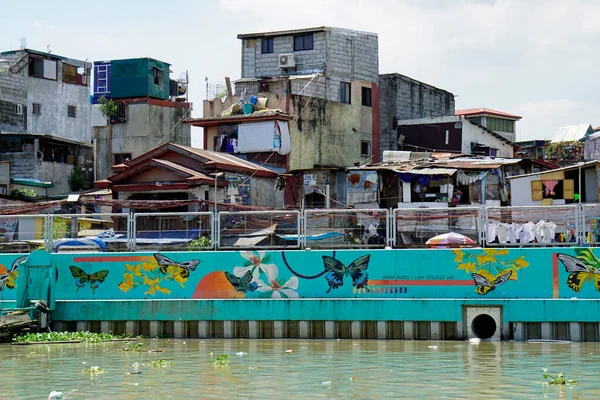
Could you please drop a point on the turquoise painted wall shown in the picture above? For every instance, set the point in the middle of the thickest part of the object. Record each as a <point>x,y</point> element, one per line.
<point>454,277</point>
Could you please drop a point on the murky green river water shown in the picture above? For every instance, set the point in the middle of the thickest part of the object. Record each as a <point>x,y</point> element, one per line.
<point>315,369</point>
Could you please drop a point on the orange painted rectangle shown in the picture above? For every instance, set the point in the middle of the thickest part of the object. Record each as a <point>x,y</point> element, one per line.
<point>423,282</point>
<point>555,276</point>
<point>112,258</point>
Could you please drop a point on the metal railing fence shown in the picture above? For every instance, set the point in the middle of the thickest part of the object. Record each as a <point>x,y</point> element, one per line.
<point>173,231</point>
<point>259,229</point>
<point>528,226</point>
<point>333,228</point>
<point>414,227</point>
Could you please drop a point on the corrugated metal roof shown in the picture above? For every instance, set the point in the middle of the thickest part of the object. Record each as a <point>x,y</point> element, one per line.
<point>255,116</point>
<point>281,33</point>
<point>572,133</point>
<point>569,168</point>
<point>432,171</point>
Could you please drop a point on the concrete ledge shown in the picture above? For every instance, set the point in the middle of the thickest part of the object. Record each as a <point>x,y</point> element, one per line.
<point>438,310</point>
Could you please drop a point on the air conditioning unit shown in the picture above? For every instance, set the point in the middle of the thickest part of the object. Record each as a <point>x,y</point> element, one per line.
<point>287,61</point>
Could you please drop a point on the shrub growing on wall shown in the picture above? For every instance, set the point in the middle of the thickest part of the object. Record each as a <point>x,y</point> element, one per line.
<point>24,193</point>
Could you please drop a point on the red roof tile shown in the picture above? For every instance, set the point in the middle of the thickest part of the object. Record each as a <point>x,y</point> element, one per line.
<point>468,112</point>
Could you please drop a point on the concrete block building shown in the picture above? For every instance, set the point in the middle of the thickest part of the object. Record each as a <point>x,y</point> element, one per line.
<point>326,79</point>
<point>151,107</point>
<point>45,120</point>
<point>404,98</point>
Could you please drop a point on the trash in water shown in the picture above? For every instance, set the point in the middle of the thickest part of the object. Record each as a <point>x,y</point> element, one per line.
<point>240,354</point>
<point>432,347</point>
<point>135,365</point>
<point>326,383</point>
<point>351,378</point>
<point>474,340</point>
<point>55,395</point>
<point>289,351</point>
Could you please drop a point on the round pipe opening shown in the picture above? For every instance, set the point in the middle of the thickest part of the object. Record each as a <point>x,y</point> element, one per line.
<point>483,326</point>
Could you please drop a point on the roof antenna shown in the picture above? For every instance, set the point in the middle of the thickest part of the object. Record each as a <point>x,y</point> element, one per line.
<point>48,49</point>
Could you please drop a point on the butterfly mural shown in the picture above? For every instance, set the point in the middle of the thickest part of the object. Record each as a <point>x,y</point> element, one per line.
<point>82,278</point>
<point>484,286</point>
<point>581,271</point>
<point>184,267</point>
<point>243,284</point>
<point>8,277</point>
<point>337,270</point>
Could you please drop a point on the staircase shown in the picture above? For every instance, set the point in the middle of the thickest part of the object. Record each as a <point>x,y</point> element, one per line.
<point>19,65</point>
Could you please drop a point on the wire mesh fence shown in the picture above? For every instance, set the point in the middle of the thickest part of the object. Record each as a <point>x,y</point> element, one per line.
<point>173,231</point>
<point>89,232</point>
<point>532,226</point>
<point>259,229</point>
<point>590,224</point>
<point>346,228</point>
<point>436,227</point>
<point>22,233</point>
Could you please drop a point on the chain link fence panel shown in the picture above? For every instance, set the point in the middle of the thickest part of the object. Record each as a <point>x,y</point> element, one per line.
<point>353,228</point>
<point>193,231</point>
<point>259,229</point>
<point>532,226</point>
<point>414,227</point>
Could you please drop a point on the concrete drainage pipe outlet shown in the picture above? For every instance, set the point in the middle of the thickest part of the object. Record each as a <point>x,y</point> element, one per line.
<point>483,326</point>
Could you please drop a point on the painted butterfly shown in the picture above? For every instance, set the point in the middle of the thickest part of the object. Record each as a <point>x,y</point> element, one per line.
<point>484,286</point>
<point>579,272</point>
<point>184,267</point>
<point>337,271</point>
<point>243,284</point>
<point>8,278</point>
<point>82,278</point>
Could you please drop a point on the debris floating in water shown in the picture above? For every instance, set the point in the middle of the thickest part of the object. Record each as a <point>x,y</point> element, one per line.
<point>289,351</point>
<point>55,395</point>
<point>326,383</point>
<point>432,347</point>
<point>240,354</point>
<point>474,340</point>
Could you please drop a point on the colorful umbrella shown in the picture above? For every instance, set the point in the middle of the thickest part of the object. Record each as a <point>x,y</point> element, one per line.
<point>450,238</point>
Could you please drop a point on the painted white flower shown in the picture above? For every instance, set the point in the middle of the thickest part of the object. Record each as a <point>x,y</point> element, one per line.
<point>273,286</point>
<point>256,262</point>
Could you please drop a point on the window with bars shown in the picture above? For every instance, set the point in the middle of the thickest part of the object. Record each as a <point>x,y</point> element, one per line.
<point>102,78</point>
<point>501,124</point>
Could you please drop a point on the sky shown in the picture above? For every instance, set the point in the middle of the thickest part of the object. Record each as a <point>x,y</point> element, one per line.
<point>537,59</point>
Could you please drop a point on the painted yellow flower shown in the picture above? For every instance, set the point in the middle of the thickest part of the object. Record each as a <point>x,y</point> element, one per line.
<point>459,256</point>
<point>179,279</point>
<point>469,266</point>
<point>153,286</point>
<point>136,269</point>
<point>128,284</point>
<point>521,263</point>
<point>499,252</point>
<point>149,265</point>
<point>486,257</point>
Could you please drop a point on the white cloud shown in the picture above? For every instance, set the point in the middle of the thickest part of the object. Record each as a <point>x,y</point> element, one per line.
<point>536,58</point>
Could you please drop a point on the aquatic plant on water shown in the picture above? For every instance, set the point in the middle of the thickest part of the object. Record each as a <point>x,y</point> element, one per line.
<point>95,370</point>
<point>222,361</point>
<point>87,337</point>
<point>160,363</point>
<point>137,347</point>
<point>560,379</point>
